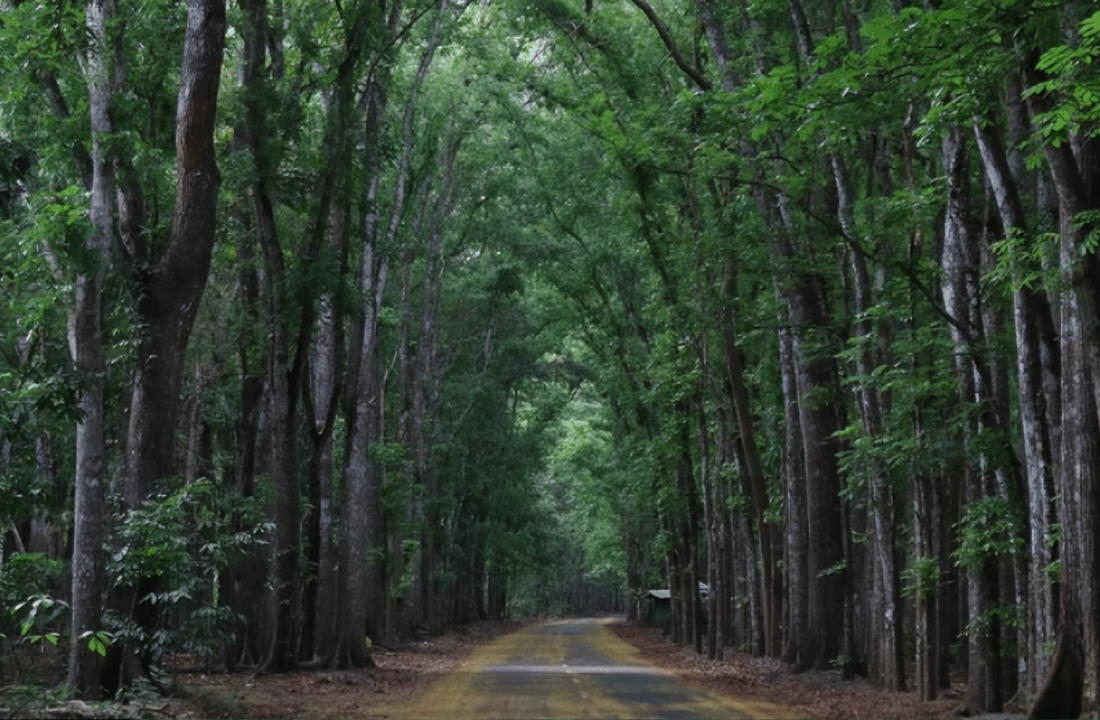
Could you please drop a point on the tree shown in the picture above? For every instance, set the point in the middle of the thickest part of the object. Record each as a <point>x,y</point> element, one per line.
<point>89,505</point>
<point>1072,686</point>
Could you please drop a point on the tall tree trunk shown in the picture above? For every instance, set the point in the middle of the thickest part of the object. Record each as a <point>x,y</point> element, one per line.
<point>169,294</point>
<point>797,550</point>
<point>284,460</point>
<point>322,401</point>
<point>1068,688</point>
<point>817,386</point>
<point>961,265</point>
<point>169,287</point>
<point>925,586</point>
<point>1032,316</point>
<point>767,531</point>
<point>710,483</point>
<point>361,540</point>
<point>359,585</point>
<point>887,658</point>
<point>427,393</point>
<point>282,371</point>
<point>1072,685</point>
<point>89,510</point>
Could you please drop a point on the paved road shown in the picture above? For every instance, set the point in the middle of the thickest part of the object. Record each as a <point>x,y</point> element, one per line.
<point>569,669</point>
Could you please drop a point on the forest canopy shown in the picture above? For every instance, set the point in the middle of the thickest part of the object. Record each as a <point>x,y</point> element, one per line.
<point>332,321</point>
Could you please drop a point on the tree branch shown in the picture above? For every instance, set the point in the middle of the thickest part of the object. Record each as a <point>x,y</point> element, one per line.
<point>690,70</point>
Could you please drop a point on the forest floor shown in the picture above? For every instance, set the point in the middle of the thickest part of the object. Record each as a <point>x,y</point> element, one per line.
<point>380,692</point>
<point>403,673</point>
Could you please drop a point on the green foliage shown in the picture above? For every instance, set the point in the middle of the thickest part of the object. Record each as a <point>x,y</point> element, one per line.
<point>38,386</point>
<point>26,574</point>
<point>1009,616</point>
<point>838,568</point>
<point>1024,262</point>
<point>1054,571</point>
<point>50,34</point>
<point>98,641</point>
<point>1089,222</point>
<point>989,529</point>
<point>922,578</point>
<point>598,196</point>
<point>36,614</point>
<point>185,536</point>
<point>31,612</point>
<point>1074,84</point>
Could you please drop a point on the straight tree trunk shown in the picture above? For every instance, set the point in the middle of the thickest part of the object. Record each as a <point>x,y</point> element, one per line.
<point>361,538</point>
<point>1032,316</point>
<point>746,433</point>
<point>817,386</point>
<point>281,374</point>
<point>1067,690</point>
<point>359,585</point>
<point>797,550</point>
<point>1072,685</point>
<point>244,581</point>
<point>961,263</point>
<point>427,393</point>
<point>89,509</point>
<point>322,395</point>
<point>887,656</point>
<point>925,589</point>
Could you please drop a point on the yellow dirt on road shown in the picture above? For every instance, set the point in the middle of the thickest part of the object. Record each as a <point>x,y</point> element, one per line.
<point>570,669</point>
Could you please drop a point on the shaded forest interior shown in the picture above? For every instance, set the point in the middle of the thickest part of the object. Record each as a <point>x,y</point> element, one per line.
<point>334,325</point>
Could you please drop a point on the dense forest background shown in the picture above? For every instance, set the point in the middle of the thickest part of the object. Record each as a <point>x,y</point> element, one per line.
<point>333,320</point>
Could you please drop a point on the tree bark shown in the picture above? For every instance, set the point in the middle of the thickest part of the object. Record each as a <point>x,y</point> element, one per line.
<point>961,263</point>
<point>361,503</point>
<point>361,541</point>
<point>1072,685</point>
<point>797,648</point>
<point>322,400</point>
<point>170,289</point>
<point>888,655</point>
<point>746,433</point>
<point>427,394</point>
<point>817,387</point>
<point>1031,314</point>
<point>283,373</point>
<point>89,509</point>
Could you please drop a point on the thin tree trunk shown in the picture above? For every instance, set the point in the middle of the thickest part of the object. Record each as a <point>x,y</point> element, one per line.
<point>925,588</point>
<point>427,390</point>
<point>797,551</point>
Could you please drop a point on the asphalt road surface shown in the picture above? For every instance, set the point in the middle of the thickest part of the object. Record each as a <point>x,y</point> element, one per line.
<point>570,669</point>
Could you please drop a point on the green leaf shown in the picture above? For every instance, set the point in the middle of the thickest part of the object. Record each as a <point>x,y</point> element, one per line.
<point>1090,28</point>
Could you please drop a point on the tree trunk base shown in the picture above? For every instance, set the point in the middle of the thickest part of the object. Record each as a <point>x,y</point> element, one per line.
<point>1061,693</point>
